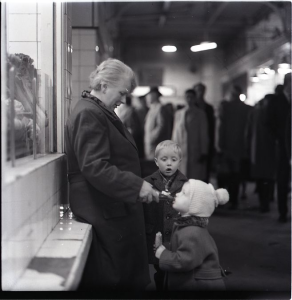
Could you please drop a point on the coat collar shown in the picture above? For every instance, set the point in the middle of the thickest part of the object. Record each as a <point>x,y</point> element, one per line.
<point>178,182</point>
<point>192,221</point>
<point>111,116</point>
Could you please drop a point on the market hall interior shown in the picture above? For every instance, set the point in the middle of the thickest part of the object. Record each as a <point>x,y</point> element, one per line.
<point>220,50</point>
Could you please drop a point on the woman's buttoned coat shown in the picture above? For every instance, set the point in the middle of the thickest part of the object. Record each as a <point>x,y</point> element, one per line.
<point>104,177</point>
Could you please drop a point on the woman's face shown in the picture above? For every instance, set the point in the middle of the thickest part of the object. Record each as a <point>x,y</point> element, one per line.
<point>115,95</point>
<point>182,200</point>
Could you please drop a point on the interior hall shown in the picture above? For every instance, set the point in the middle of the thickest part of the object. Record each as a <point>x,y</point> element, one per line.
<point>213,77</point>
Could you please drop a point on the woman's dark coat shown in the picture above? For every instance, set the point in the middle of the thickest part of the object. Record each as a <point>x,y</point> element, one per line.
<point>103,171</point>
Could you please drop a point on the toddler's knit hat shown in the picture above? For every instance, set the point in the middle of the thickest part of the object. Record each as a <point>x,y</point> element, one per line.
<point>204,198</point>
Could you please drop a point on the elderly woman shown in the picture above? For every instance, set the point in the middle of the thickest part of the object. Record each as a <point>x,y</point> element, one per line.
<point>106,189</point>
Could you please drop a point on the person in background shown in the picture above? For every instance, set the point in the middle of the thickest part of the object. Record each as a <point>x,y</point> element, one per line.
<point>233,115</point>
<point>160,216</point>
<point>141,110</point>
<point>129,117</point>
<point>261,149</point>
<point>105,187</point>
<point>192,261</point>
<point>201,103</point>
<point>157,123</point>
<point>280,117</point>
<point>190,131</point>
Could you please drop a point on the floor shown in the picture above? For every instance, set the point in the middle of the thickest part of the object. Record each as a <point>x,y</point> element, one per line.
<point>254,247</point>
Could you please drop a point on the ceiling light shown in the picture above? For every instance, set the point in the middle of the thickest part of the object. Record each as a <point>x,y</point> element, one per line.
<point>140,91</point>
<point>169,48</point>
<point>166,91</point>
<point>204,46</point>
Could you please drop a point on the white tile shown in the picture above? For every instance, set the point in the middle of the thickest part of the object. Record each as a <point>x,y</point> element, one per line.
<point>75,72</point>
<point>69,10</point>
<point>70,86</point>
<point>76,90</point>
<point>35,281</point>
<point>85,71</point>
<point>84,85</point>
<point>59,249</point>
<point>65,32</point>
<point>6,193</point>
<point>87,42</point>
<point>88,58</point>
<point>39,28</point>
<point>22,7</point>
<point>9,274</point>
<point>7,219</point>
<point>39,49</point>
<point>70,62</point>
<point>22,28</point>
<point>65,55</point>
<point>69,31</point>
<point>75,40</point>
<point>88,32</point>
<point>75,60</point>
<point>28,48</point>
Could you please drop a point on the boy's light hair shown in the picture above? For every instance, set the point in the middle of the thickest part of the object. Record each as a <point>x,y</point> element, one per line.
<point>168,144</point>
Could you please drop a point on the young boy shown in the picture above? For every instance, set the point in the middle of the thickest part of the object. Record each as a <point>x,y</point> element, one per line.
<point>192,262</point>
<point>160,216</point>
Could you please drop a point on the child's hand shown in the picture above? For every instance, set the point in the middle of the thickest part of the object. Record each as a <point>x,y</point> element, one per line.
<point>158,240</point>
<point>159,251</point>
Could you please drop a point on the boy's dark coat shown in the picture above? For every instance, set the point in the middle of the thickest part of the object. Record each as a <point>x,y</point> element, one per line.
<point>156,213</point>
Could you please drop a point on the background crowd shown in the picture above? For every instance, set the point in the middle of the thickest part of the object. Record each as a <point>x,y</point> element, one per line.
<point>241,144</point>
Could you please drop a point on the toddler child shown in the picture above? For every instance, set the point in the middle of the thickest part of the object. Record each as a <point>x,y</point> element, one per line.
<point>160,216</point>
<point>192,261</point>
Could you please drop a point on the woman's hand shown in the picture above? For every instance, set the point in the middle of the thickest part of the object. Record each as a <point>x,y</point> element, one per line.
<point>147,193</point>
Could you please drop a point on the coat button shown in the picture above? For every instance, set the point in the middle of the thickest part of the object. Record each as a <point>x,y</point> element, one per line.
<point>120,237</point>
<point>167,232</point>
<point>167,202</point>
<point>168,216</point>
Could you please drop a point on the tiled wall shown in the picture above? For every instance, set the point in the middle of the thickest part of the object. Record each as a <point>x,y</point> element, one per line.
<point>30,203</point>
<point>23,34</point>
<point>84,60</point>
<point>29,212</point>
<point>68,49</point>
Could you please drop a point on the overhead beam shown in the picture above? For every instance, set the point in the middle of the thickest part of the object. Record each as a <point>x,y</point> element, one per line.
<point>165,9</point>
<point>215,15</point>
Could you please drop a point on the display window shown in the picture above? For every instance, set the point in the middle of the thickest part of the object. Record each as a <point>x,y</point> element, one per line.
<point>28,102</point>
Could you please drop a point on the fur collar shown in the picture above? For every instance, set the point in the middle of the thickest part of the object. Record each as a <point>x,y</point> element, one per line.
<point>192,221</point>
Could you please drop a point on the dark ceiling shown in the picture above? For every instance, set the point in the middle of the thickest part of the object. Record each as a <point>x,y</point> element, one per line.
<point>188,21</point>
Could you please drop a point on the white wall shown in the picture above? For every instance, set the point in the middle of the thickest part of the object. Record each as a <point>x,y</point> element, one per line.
<point>84,60</point>
<point>29,212</point>
<point>33,190</point>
